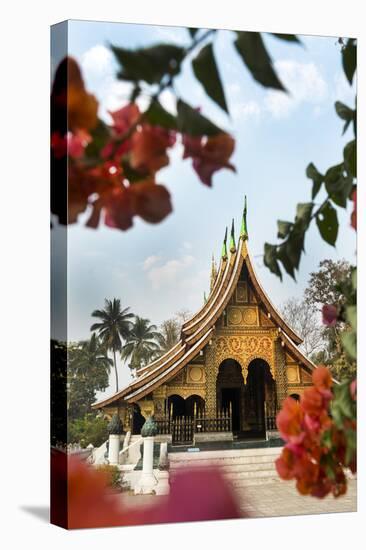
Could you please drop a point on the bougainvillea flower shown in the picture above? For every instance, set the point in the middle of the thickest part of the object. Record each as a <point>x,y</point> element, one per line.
<point>194,496</point>
<point>124,118</point>
<point>330,315</point>
<point>149,146</point>
<point>82,107</point>
<point>150,200</point>
<point>209,154</point>
<point>313,402</point>
<point>76,143</point>
<point>285,464</point>
<point>322,379</point>
<point>289,421</point>
<point>118,208</point>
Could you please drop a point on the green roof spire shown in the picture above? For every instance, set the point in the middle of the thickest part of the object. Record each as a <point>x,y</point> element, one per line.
<point>232,239</point>
<point>224,249</point>
<point>244,228</point>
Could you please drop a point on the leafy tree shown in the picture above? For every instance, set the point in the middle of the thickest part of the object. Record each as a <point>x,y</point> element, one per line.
<point>114,326</point>
<point>141,344</point>
<point>338,185</point>
<point>303,317</point>
<point>91,429</point>
<point>88,372</point>
<point>324,284</point>
<point>168,336</point>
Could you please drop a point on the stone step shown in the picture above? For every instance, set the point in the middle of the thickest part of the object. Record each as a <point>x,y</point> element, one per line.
<point>225,454</point>
<point>253,474</point>
<point>225,465</point>
<point>250,482</point>
<point>224,462</point>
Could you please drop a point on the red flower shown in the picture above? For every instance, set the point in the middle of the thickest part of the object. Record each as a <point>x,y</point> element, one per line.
<point>289,421</point>
<point>330,315</point>
<point>195,495</point>
<point>209,154</point>
<point>285,464</point>
<point>322,378</point>
<point>77,142</point>
<point>149,148</point>
<point>124,118</point>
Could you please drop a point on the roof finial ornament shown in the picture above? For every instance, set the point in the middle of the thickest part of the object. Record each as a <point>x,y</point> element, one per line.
<point>224,249</point>
<point>232,239</point>
<point>244,228</point>
<point>213,273</point>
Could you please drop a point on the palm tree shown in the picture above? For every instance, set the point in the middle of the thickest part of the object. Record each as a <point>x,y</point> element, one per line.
<point>168,336</point>
<point>88,371</point>
<point>141,343</point>
<point>114,327</point>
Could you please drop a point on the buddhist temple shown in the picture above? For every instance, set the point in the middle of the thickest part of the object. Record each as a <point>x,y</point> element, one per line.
<point>235,362</point>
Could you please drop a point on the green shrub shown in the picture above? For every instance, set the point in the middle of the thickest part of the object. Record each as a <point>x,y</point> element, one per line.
<point>113,473</point>
<point>90,429</point>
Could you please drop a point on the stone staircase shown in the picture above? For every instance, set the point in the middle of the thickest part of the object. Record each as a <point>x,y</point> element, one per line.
<point>242,467</point>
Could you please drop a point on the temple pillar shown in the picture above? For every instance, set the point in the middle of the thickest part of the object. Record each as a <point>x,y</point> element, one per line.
<point>211,377</point>
<point>281,374</point>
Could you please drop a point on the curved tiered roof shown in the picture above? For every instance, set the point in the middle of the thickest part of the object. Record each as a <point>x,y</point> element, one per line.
<point>198,330</point>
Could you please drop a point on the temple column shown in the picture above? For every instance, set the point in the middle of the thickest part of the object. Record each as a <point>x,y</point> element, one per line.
<point>281,374</point>
<point>211,377</point>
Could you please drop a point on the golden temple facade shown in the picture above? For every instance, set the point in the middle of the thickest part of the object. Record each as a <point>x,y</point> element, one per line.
<point>237,359</point>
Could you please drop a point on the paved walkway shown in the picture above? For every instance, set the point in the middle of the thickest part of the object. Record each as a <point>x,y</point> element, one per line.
<point>274,499</point>
<point>282,499</point>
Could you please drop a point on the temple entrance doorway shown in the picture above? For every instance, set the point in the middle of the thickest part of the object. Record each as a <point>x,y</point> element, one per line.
<point>260,398</point>
<point>137,420</point>
<point>229,392</point>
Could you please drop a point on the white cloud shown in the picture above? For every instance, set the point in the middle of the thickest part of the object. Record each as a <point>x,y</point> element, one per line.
<point>150,261</point>
<point>99,71</point>
<point>167,274</point>
<point>304,83</point>
<point>245,109</point>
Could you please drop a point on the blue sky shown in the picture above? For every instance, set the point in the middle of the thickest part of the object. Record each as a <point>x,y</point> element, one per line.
<point>160,269</point>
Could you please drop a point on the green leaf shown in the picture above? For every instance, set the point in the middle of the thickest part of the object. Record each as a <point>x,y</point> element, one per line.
<point>286,259</point>
<point>349,342</point>
<point>192,31</point>
<point>327,222</point>
<point>338,184</point>
<point>158,116</point>
<point>345,113</point>
<point>191,122</point>
<point>303,213</point>
<point>100,136</point>
<point>252,50</point>
<point>270,259</point>
<point>351,314</point>
<point>349,155</point>
<point>349,59</point>
<point>317,178</point>
<point>205,69</point>
<point>287,37</point>
<point>149,64</point>
<point>283,229</point>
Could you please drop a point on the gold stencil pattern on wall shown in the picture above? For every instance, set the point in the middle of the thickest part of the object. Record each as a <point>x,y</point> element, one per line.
<point>195,374</point>
<point>293,374</point>
<point>242,293</point>
<point>234,316</point>
<point>250,316</point>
